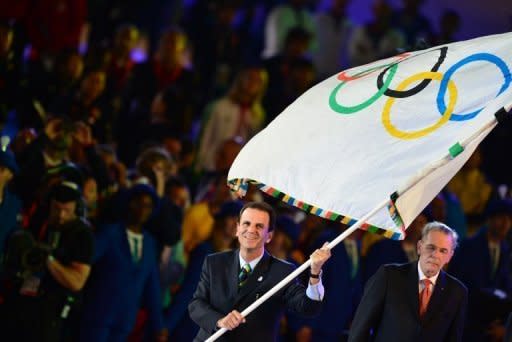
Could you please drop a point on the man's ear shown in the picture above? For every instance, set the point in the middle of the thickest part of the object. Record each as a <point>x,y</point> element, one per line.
<point>269,238</point>
<point>418,246</point>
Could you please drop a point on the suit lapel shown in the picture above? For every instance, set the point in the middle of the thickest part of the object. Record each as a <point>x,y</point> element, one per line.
<point>233,271</point>
<point>255,279</point>
<point>412,288</point>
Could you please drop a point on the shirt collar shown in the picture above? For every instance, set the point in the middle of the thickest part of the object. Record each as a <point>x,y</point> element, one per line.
<point>422,276</point>
<point>253,263</point>
<point>133,235</point>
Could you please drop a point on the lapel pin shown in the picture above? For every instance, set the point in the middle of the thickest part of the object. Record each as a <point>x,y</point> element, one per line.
<point>260,278</point>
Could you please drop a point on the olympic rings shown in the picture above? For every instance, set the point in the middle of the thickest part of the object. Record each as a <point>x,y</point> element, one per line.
<point>419,87</point>
<point>473,58</point>
<point>349,110</point>
<point>424,79</point>
<point>382,86</point>
<point>386,120</point>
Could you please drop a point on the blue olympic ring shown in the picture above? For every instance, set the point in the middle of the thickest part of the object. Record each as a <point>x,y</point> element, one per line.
<point>441,105</point>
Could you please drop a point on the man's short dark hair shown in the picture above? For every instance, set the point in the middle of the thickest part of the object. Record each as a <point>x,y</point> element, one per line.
<point>65,192</point>
<point>262,206</point>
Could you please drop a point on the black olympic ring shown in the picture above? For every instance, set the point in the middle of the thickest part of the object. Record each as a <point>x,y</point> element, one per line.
<point>423,84</point>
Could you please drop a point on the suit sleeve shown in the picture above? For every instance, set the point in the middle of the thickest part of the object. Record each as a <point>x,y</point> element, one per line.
<point>369,311</point>
<point>200,310</point>
<point>457,327</point>
<point>297,300</point>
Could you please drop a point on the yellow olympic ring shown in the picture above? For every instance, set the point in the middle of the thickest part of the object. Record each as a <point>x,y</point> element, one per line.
<point>386,120</point>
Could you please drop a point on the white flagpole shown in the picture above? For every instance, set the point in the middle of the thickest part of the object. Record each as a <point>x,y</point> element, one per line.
<point>301,268</point>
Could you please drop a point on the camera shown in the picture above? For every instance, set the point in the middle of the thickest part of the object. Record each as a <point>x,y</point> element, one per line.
<point>25,256</point>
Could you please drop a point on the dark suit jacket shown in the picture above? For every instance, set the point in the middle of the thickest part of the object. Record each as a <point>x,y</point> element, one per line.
<point>117,286</point>
<point>390,307</point>
<point>217,294</point>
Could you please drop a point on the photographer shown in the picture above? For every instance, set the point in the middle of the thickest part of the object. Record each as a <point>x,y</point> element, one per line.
<point>48,270</point>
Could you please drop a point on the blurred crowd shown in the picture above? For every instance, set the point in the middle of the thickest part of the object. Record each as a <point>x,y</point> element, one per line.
<point>122,118</point>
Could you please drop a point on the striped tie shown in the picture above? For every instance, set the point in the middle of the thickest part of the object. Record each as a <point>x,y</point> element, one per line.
<point>243,275</point>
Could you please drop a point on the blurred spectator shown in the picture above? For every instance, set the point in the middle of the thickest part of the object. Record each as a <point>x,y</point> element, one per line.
<point>125,274</point>
<point>46,290</point>
<point>224,157</point>
<point>222,238</point>
<point>90,195</point>
<point>279,69</point>
<point>300,77</point>
<point>10,70</point>
<point>170,114</point>
<point>483,264</point>
<point>238,113</point>
<point>377,39</point>
<point>88,104</point>
<point>155,165</point>
<point>199,218</point>
<point>10,204</point>
<point>218,44</point>
<point>168,80</point>
<point>473,189</point>
<point>284,238</point>
<point>168,67</point>
<point>282,18</point>
<point>56,25</point>
<point>446,207</point>
<point>121,63</point>
<point>414,25</point>
<point>48,150</point>
<point>63,81</point>
<point>449,25</point>
<point>333,32</point>
<point>178,193</point>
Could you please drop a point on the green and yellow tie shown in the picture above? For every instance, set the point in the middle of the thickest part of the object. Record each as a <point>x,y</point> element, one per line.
<point>244,274</point>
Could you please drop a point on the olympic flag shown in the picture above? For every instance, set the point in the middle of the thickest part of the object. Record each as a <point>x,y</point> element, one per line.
<point>395,130</point>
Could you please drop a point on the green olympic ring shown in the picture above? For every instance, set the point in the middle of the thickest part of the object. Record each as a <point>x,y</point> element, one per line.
<point>352,109</point>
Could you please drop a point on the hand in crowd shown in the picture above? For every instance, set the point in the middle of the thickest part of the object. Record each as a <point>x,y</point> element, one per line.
<point>231,320</point>
<point>161,177</point>
<point>304,334</point>
<point>319,257</point>
<point>83,134</point>
<point>496,331</point>
<point>162,335</point>
<point>52,128</point>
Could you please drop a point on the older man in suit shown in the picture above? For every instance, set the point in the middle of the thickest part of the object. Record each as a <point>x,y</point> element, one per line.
<point>416,301</point>
<point>231,281</point>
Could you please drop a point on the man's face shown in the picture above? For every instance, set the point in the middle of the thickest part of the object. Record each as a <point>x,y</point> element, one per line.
<point>141,208</point>
<point>180,196</point>
<point>435,251</point>
<point>499,226</point>
<point>252,230</point>
<point>62,212</point>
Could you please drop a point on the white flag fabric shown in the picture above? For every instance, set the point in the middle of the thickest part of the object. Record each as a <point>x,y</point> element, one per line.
<point>381,131</point>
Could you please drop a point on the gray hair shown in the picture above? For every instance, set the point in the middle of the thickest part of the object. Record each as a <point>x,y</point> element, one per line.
<point>443,228</point>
